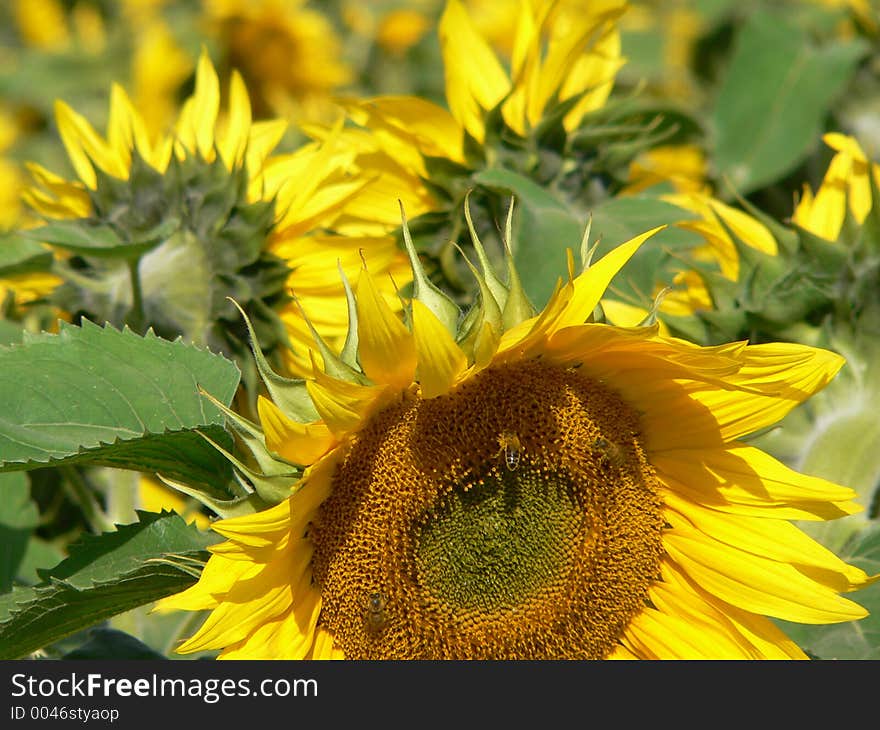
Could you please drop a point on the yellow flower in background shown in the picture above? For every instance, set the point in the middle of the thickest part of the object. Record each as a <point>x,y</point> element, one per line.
<point>288,52</point>
<point>28,287</point>
<point>558,55</point>
<point>532,486</point>
<point>199,131</point>
<point>677,26</point>
<point>49,26</point>
<point>155,497</point>
<point>399,30</point>
<point>846,185</point>
<point>714,218</point>
<point>11,179</point>
<point>683,166</point>
<point>159,68</point>
<point>307,189</point>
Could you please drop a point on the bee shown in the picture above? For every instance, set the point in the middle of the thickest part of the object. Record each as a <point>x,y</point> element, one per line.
<point>510,445</point>
<point>375,614</point>
<point>611,451</point>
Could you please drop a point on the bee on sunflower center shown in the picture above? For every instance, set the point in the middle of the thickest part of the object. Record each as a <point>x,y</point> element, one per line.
<point>509,444</point>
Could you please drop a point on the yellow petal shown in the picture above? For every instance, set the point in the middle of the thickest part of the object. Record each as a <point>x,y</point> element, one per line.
<point>260,529</point>
<point>407,127</point>
<point>290,637</point>
<point>341,405</point>
<point>746,480</point>
<point>475,80</point>
<point>252,602</point>
<point>657,635</point>
<point>441,360</point>
<point>752,582</point>
<point>85,146</point>
<point>324,648</point>
<point>777,540</point>
<point>126,129</point>
<point>300,443</point>
<point>195,126</point>
<point>756,636</point>
<point>745,227</point>
<point>264,137</point>
<point>770,381</point>
<point>234,142</point>
<point>218,576</point>
<point>386,349</point>
<point>590,286</point>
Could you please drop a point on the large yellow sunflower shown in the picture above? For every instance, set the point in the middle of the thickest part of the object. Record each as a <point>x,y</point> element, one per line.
<point>528,486</point>
<point>249,222</point>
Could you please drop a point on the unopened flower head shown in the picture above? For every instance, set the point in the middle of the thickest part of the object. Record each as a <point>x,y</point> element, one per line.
<point>207,212</point>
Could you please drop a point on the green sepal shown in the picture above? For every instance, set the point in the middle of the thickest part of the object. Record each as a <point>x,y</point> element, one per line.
<point>484,311</point>
<point>247,504</point>
<point>270,488</point>
<point>252,437</point>
<point>517,307</point>
<point>20,255</point>
<point>424,290</point>
<point>333,365</point>
<point>289,394</point>
<point>490,279</point>
<point>349,352</point>
<point>90,238</point>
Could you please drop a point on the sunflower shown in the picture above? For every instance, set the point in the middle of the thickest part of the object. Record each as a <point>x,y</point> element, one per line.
<point>846,185</point>
<point>49,26</point>
<point>247,222</point>
<point>288,52</point>
<point>559,56</point>
<point>521,485</point>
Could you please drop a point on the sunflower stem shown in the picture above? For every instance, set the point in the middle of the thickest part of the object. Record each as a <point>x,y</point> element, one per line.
<point>135,318</point>
<point>82,494</point>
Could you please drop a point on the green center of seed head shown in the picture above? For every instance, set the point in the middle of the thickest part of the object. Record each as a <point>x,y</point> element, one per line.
<point>495,544</point>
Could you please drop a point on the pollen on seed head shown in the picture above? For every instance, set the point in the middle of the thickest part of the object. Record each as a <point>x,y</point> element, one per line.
<point>515,517</point>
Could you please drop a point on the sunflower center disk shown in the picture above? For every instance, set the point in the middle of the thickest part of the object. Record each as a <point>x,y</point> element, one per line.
<point>515,517</point>
<point>500,543</point>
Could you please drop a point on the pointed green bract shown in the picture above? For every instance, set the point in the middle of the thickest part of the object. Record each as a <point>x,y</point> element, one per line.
<point>443,308</point>
<point>289,394</point>
<point>167,248</point>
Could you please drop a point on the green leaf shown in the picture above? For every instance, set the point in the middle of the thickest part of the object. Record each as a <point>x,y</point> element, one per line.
<point>19,255</point>
<point>107,643</point>
<point>617,220</point>
<point>853,639</point>
<point>113,398</point>
<point>10,331</point>
<point>104,575</point>
<point>775,96</point>
<point>545,228</point>
<point>90,239</point>
<point>18,517</point>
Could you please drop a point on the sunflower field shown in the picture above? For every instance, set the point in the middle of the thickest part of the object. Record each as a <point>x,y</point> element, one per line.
<point>440,329</point>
